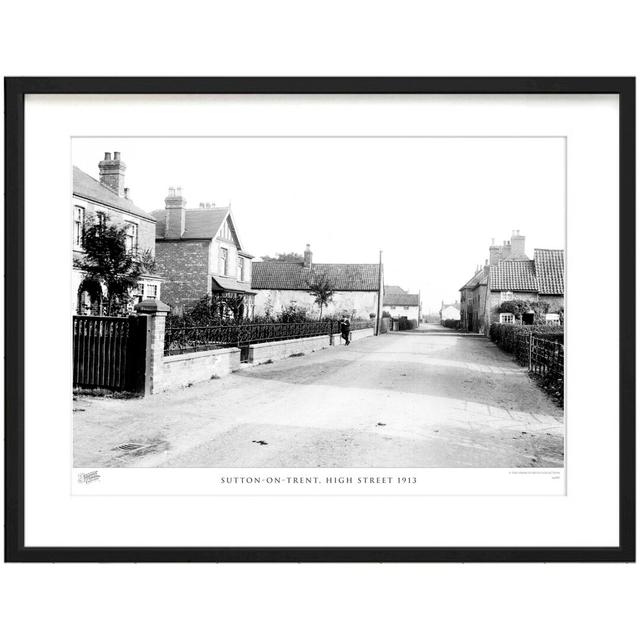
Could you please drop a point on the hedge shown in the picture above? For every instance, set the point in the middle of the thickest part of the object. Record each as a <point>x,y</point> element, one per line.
<point>451,324</point>
<point>514,338</point>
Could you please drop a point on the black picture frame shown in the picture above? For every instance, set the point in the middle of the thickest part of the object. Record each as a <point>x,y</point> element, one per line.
<point>15,91</point>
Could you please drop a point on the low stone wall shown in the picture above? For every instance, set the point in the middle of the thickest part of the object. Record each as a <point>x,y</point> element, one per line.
<point>188,368</point>
<point>265,351</point>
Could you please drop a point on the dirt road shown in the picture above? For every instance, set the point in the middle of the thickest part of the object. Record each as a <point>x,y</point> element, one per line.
<point>407,399</point>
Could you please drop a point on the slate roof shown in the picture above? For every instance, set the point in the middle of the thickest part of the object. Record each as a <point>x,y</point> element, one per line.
<point>481,277</point>
<point>400,299</point>
<point>295,276</point>
<point>544,274</point>
<point>84,186</point>
<point>223,283</point>
<point>198,223</point>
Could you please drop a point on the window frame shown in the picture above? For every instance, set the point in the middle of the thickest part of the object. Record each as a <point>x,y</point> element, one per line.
<point>78,226</point>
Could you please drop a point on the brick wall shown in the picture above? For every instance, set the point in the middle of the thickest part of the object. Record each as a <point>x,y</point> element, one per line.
<point>184,265</point>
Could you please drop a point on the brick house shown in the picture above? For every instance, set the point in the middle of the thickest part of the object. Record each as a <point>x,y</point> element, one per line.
<point>398,303</point>
<point>473,296</point>
<point>200,254</point>
<point>356,286</point>
<point>108,199</point>
<point>511,275</point>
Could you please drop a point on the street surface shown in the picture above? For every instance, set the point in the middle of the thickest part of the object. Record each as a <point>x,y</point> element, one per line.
<point>424,398</point>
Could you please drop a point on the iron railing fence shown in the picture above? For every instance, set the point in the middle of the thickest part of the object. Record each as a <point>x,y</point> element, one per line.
<point>186,339</point>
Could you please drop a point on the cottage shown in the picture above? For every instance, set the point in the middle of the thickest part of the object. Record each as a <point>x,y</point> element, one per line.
<point>200,254</point>
<point>539,282</point>
<point>398,303</point>
<point>534,286</point>
<point>109,200</point>
<point>356,286</point>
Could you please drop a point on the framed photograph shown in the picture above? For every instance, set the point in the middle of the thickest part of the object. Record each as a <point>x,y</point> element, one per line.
<point>320,319</point>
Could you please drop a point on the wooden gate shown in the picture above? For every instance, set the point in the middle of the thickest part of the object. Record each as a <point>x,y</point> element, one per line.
<point>109,353</point>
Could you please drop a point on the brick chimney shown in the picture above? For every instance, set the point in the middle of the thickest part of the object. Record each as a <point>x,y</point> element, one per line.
<point>112,172</point>
<point>517,245</point>
<point>495,252</point>
<point>174,205</point>
<point>308,256</point>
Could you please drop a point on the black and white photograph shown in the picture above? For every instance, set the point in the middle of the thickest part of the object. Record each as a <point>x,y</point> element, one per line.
<point>327,302</point>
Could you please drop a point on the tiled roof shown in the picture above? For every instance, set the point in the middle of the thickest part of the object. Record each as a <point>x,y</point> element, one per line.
<point>84,186</point>
<point>294,276</point>
<point>400,299</point>
<point>544,274</point>
<point>514,275</point>
<point>550,270</point>
<point>392,289</point>
<point>198,223</point>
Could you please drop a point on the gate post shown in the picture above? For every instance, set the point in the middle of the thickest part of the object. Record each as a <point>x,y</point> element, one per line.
<point>156,312</point>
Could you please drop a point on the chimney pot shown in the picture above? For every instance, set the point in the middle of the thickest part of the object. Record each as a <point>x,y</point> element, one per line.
<point>116,155</point>
<point>107,155</point>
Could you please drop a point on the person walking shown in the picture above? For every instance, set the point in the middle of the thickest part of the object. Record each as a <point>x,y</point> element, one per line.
<point>345,329</point>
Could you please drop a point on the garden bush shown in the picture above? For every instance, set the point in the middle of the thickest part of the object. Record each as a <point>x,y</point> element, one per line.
<point>451,324</point>
<point>404,324</point>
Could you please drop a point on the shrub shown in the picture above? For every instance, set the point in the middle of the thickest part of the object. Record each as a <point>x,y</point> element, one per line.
<point>451,324</point>
<point>292,313</point>
<point>514,338</point>
<point>405,324</point>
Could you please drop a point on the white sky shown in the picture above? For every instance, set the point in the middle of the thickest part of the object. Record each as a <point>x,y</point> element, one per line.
<point>431,204</point>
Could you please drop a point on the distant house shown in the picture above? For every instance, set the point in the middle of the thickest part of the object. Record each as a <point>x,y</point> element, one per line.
<point>449,311</point>
<point>200,254</point>
<point>511,275</point>
<point>400,304</point>
<point>108,199</point>
<point>278,284</point>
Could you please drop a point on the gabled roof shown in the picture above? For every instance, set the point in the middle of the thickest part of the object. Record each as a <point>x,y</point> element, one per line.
<point>479,278</point>
<point>295,276</point>
<point>514,275</point>
<point>84,186</point>
<point>401,299</point>
<point>199,223</point>
<point>455,305</point>
<point>544,274</point>
<point>550,270</point>
<point>390,289</point>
